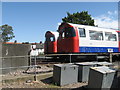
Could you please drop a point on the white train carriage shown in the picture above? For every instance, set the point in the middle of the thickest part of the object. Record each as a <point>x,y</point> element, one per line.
<point>94,39</point>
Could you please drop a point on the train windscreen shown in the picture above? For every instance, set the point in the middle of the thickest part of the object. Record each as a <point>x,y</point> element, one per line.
<point>70,32</point>
<point>50,39</point>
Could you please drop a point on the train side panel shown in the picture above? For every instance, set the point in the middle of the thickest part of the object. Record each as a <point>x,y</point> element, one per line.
<point>88,44</point>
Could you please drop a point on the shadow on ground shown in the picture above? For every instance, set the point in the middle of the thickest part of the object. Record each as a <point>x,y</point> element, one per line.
<point>48,80</point>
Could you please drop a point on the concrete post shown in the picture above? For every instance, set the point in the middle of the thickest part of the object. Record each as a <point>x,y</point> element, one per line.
<point>30,60</point>
<point>110,57</point>
<point>70,58</point>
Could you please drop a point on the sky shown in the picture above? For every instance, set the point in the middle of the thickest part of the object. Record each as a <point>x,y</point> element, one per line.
<point>31,20</point>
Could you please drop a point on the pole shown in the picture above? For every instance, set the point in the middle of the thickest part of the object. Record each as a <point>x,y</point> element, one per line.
<point>30,60</point>
<point>35,78</point>
<point>96,58</point>
<point>70,58</point>
<point>111,57</point>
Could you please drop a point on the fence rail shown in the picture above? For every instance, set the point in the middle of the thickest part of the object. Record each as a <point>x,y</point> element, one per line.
<point>15,56</point>
<point>20,67</point>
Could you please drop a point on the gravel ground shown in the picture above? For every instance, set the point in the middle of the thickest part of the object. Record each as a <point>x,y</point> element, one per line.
<point>25,79</point>
<point>45,81</point>
<point>28,72</point>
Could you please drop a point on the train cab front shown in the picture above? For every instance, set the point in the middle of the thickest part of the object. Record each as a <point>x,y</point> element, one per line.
<point>50,45</point>
<point>68,41</point>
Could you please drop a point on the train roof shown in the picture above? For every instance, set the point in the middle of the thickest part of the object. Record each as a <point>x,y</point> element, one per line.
<point>56,34</point>
<point>87,26</point>
<point>52,32</point>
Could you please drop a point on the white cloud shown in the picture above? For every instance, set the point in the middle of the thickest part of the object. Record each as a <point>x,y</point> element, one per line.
<point>108,20</point>
<point>116,12</point>
<point>109,12</point>
<point>112,13</point>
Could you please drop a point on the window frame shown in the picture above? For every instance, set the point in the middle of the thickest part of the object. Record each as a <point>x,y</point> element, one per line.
<point>80,33</point>
<point>110,34</point>
<point>95,36</point>
<point>67,32</point>
<point>50,39</point>
<point>71,32</point>
<point>119,36</point>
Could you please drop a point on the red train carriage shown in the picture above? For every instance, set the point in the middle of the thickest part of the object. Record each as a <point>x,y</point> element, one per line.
<point>51,42</point>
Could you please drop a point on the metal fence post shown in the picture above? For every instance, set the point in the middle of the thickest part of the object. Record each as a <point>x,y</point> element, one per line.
<point>35,78</point>
<point>70,58</point>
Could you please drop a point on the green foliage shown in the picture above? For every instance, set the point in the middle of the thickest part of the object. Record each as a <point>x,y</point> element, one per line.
<point>6,32</point>
<point>79,18</point>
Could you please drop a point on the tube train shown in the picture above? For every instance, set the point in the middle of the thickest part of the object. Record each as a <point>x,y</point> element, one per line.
<point>75,38</point>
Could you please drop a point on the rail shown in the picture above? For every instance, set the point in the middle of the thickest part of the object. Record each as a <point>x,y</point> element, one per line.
<point>110,54</point>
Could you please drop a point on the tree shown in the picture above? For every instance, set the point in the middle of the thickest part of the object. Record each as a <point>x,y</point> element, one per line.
<point>6,32</point>
<point>79,18</point>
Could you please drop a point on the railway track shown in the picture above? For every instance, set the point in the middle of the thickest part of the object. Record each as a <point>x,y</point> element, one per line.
<point>42,59</point>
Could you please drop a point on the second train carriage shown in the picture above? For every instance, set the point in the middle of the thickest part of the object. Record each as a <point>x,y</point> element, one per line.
<point>51,42</point>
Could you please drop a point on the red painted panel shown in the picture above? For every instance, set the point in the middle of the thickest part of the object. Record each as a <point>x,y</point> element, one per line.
<point>68,44</point>
<point>119,46</point>
<point>118,31</point>
<point>52,47</point>
<point>119,39</point>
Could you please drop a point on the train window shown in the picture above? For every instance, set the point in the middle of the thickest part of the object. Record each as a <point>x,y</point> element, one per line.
<point>110,37</point>
<point>96,35</point>
<point>69,32</point>
<point>50,39</point>
<point>82,32</point>
<point>62,34</point>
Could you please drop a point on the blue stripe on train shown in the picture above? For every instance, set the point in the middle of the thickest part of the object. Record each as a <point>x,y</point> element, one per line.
<point>98,49</point>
